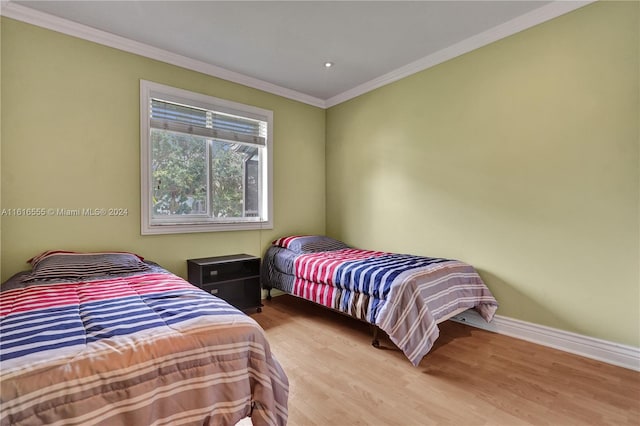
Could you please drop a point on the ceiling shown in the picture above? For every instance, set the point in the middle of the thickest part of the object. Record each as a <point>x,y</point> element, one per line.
<point>277,45</point>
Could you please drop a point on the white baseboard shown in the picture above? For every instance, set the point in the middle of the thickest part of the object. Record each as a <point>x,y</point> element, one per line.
<point>274,292</point>
<point>589,347</point>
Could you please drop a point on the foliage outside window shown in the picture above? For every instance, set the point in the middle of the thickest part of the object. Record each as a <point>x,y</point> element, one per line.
<point>206,162</point>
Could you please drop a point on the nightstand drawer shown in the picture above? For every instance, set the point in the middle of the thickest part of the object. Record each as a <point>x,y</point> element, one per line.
<point>222,268</point>
<point>219,272</point>
<point>240,293</point>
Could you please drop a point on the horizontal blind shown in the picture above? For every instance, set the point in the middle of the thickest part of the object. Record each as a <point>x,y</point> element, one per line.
<point>211,124</point>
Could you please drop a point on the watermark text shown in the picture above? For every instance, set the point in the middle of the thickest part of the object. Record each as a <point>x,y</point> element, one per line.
<point>63,212</point>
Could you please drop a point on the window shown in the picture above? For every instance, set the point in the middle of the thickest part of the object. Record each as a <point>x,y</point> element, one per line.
<point>206,162</point>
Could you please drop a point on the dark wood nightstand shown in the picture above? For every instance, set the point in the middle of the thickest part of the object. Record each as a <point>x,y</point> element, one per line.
<point>234,278</point>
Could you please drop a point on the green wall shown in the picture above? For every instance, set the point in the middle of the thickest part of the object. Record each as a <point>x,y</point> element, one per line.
<point>71,139</point>
<point>520,158</point>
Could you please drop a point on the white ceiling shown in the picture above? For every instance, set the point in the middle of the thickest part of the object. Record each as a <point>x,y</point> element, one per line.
<point>284,44</point>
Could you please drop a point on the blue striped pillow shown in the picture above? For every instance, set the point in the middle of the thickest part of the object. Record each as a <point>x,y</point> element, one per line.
<point>76,266</point>
<point>310,244</point>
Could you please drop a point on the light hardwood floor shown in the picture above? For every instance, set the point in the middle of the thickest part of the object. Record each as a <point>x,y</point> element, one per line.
<point>470,377</point>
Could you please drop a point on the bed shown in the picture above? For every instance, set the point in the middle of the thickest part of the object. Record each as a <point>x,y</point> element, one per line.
<point>406,296</point>
<point>108,338</point>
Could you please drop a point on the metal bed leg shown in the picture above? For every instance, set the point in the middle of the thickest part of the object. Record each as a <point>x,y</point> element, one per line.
<point>375,342</point>
<point>269,293</point>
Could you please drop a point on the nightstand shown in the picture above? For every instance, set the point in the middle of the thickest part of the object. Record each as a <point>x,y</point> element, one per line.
<point>234,278</point>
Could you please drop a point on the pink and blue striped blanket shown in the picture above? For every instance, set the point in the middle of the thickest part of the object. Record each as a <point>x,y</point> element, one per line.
<point>148,348</point>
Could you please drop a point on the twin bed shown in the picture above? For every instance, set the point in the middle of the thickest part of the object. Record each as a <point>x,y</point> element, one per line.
<point>406,296</point>
<point>108,338</point>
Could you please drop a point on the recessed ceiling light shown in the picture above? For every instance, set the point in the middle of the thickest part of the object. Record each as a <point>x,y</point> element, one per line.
<point>328,64</point>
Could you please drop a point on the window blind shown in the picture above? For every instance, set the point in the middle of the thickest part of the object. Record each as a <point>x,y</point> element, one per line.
<point>201,122</point>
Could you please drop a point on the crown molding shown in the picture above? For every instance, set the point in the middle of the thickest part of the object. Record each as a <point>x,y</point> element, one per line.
<point>522,22</point>
<point>64,26</point>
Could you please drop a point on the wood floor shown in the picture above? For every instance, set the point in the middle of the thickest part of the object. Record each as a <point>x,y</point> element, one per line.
<point>470,377</point>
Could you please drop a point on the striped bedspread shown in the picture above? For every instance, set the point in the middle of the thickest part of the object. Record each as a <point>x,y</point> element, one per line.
<point>404,295</point>
<point>147,349</point>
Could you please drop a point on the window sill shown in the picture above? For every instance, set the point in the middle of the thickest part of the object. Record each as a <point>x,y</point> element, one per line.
<point>205,227</point>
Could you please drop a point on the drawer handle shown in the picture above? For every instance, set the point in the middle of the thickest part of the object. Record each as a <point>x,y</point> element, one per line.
<point>214,291</point>
<point>213,273</point>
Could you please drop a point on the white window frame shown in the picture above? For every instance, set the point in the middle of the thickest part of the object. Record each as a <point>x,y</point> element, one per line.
<point>149,90</point>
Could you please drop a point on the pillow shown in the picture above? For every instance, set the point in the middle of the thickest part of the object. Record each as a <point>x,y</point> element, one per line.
<point>75,266</point>
<point>309,243</point>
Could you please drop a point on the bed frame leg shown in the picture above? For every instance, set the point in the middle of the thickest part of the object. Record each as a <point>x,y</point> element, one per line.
<point>269,294</point>
<point>375,342</point>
